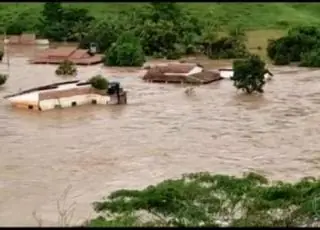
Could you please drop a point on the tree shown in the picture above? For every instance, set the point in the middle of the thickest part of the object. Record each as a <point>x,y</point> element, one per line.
<point>295,45</point>
<point>202,199</point>
<point>311,58</point>
<point>99,82</point>
<point>66,68</point>
<point>64,24</point>
<point>158,38</point>
<point>166,30</point>
<point>248,74</point>
<point>103,33</point>
<point>50,21</point>
<point>3,78</point>
<point>77,22</point>
<point>52,12</point>
<point>126,51</point>
<point>168,11</point>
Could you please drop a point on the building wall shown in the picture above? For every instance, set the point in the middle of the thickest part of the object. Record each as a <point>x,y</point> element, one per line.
<point>26,106</point>
<point>65,102</point>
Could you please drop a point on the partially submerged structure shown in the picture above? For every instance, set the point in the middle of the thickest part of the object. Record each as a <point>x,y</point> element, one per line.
<point>67,94</point>
<point>25,39</point>
<point>180,73</point>
<point>73,54</point>
<point>228,73</point>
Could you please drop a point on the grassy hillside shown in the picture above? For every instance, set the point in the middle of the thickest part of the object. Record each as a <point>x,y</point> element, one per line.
<point>249,15</point>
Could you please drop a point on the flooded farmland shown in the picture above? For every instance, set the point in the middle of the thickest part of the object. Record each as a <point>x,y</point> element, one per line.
<point>160,134</point>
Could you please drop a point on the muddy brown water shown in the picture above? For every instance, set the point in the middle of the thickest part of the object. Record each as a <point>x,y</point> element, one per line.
<point>160,134</point>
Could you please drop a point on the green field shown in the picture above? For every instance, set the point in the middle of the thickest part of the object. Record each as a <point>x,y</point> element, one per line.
<point>249,15</point>
<point>262,21</point>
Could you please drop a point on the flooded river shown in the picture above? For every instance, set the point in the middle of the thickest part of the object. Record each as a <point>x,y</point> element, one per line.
<point>160,134</point>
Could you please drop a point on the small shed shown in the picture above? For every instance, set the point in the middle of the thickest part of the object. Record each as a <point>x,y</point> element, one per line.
<point>60,54</point>
<point>181,73</point>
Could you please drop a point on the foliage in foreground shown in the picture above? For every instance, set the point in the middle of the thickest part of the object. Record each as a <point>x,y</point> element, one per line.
<point>99,82</point>
<point>202,199</point>
<point>248,74</point>
<point>66,68</point>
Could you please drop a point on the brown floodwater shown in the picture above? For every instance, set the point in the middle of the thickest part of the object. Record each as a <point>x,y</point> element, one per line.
<point>162,133</point>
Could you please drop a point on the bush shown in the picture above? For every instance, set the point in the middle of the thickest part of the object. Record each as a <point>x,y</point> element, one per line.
<point>1,55</point>
<point>126,51</point>
<point>282,59</point>
<point>164,26</point>
<point>99,82</point>
<point>66,68</point>
<point>158,37</point>
<point>203,199</point>
<point>3,78</point>
<point>103,33</point>
<point>311,59</point>
<point>291,47</point>
<point>226,48</point>
<point>64,24</point>
<point>249,74</point>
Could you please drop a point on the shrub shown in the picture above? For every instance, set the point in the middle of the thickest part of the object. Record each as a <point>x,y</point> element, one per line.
<point>203,199</point>
<point>291,47</point>
<point>282,59</point>
<point>311,58</point>
<point>64,24</point>
<point>126,51</point>
<point>164,26</point>
<point>3,78</point>
<point>272,48</point>
<point>99,82</point>
<point>66,68</point>
<point>158,37</point>
<point>103,33</point>
<point>249,74</point>
<point>226,48</point>
<point>1,55</point>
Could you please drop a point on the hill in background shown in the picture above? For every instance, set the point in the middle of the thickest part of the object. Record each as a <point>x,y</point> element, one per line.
<point>249,15</point>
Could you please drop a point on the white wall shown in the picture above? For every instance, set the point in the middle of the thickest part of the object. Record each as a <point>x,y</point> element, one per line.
<point>66,102</point>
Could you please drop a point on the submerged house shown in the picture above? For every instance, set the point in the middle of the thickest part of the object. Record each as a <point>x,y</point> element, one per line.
<point>58,55</point>
<point>67,94</point>
<point>180,73</point>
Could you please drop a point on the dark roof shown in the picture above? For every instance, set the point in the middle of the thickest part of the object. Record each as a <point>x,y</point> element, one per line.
<point>159,73</point>
<point>58,55</point>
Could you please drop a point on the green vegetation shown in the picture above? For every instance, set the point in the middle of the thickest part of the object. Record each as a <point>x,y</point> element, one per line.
<point>1,55</point>
<point>249,15</point>
<point>249,74</point>
<point>226,47</point>
<point>3,78</point>
<point>167,30</point>
<point>202,199</point>
<point>66,68</point>
<point>301,44</point>
<point>99,82</point>
<point>126,51</point>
